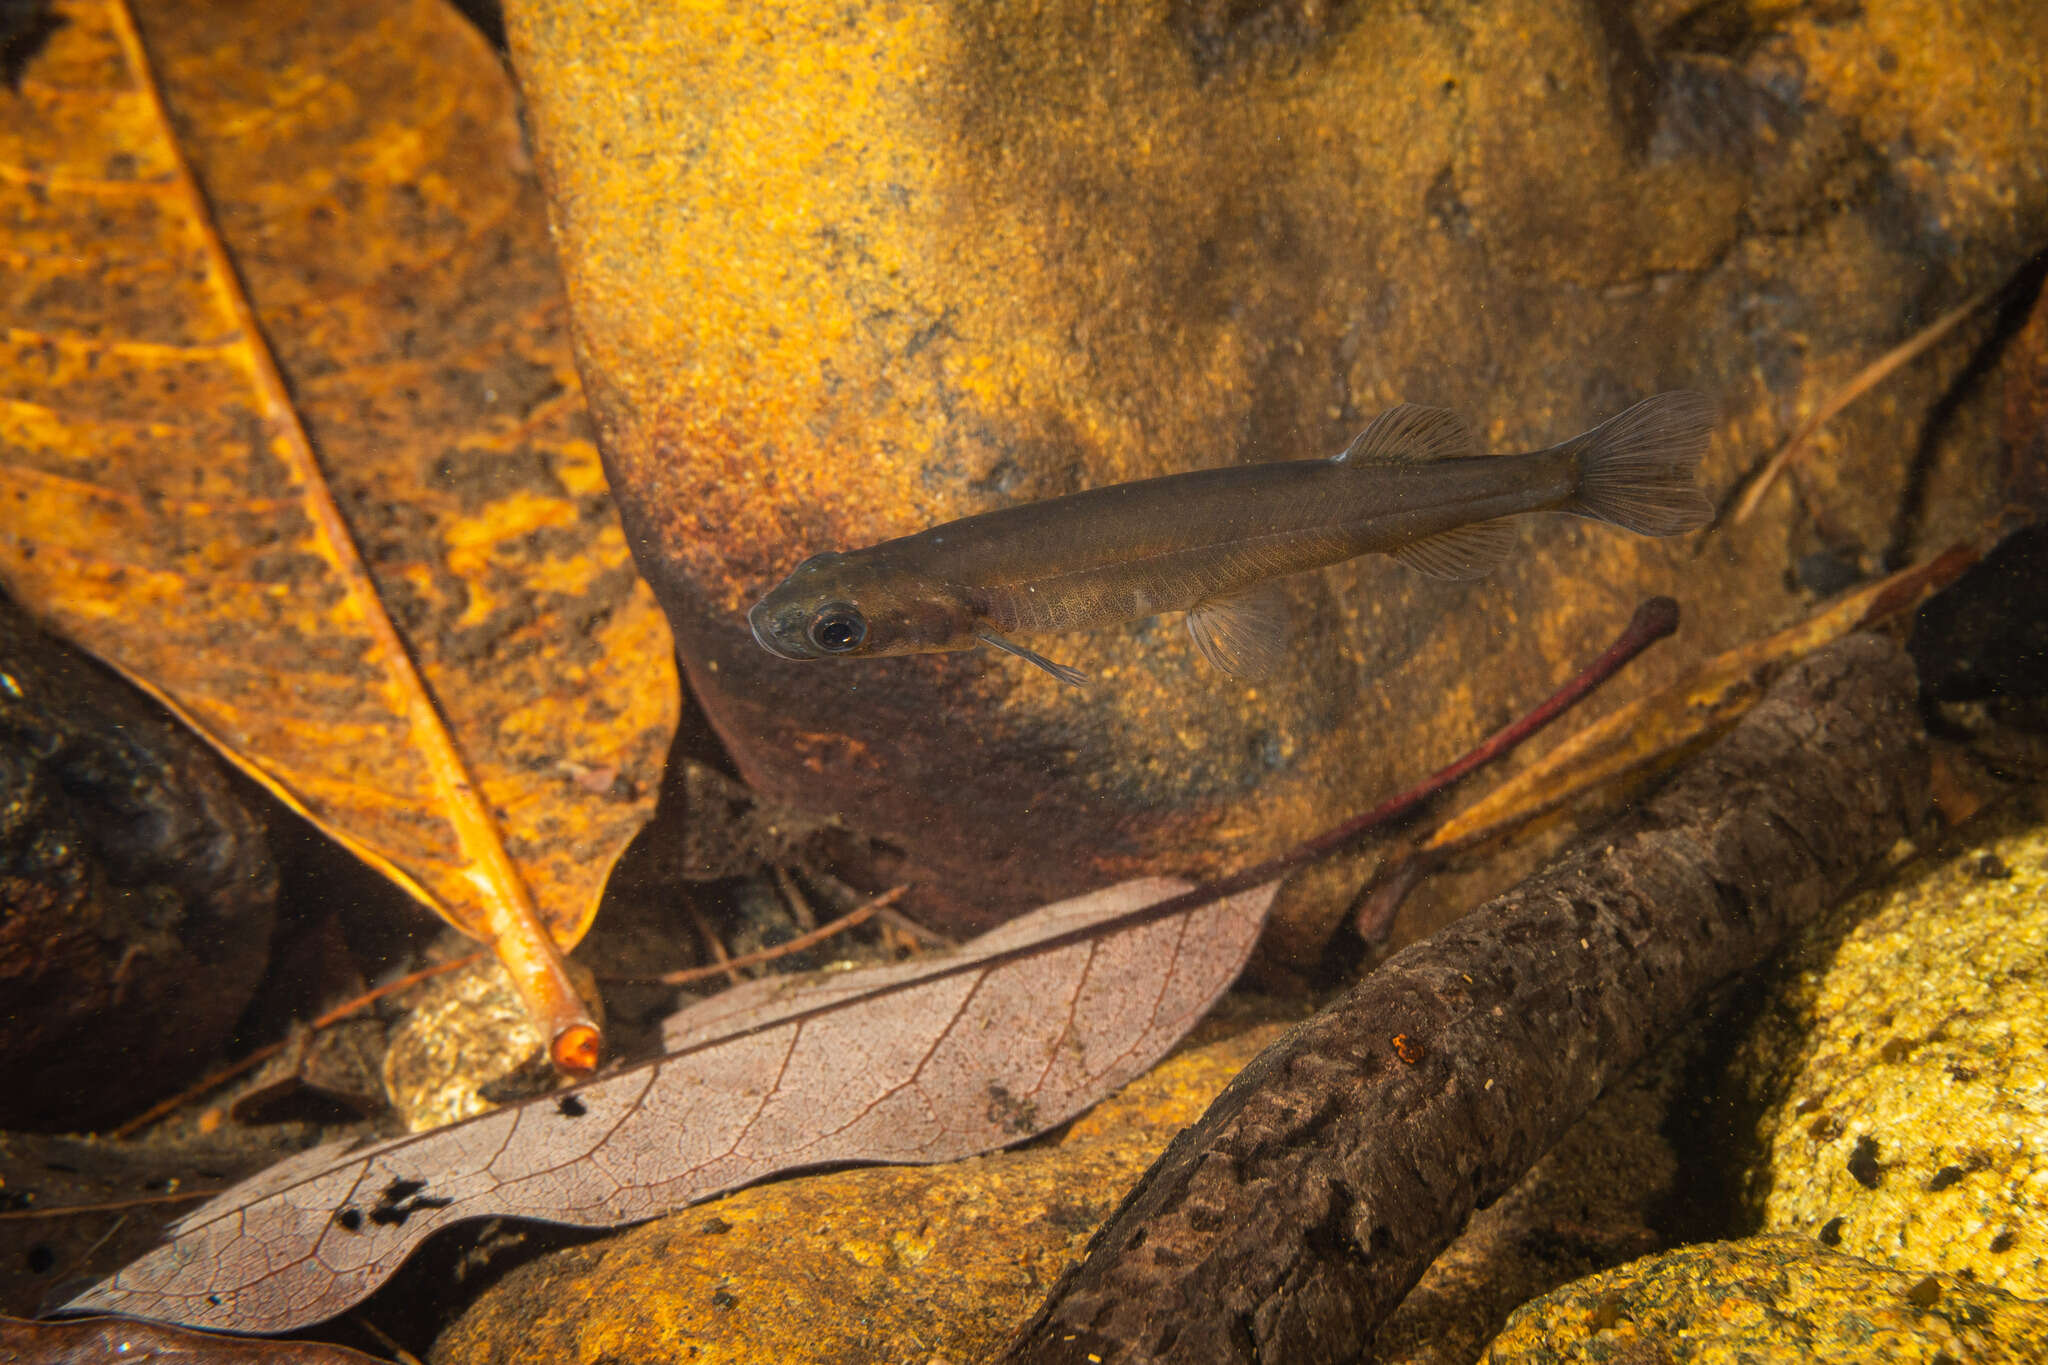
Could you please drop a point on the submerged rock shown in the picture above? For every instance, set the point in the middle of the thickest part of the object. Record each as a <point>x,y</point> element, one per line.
<point>842,275</point>
<point>1903,1072</point>
<point>1771,1298</point>
<point>467,1045</point>
<point>1896,1167</point>
<point>137,891</point>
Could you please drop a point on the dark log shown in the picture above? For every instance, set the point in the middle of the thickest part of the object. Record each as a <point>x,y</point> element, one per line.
<point>1290,1220</point>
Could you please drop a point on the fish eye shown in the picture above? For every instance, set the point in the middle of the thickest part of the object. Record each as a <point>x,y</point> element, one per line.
<point>837,628</point>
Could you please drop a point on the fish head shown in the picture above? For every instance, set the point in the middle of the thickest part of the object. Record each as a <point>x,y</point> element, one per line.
<point>854,606</point>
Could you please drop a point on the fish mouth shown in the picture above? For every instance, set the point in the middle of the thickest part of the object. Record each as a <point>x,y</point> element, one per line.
<point>771,635</point>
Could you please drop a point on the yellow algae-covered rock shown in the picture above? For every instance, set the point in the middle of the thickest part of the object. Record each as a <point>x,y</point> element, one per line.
<point>841,273</point>
<point>1904,1071</point>
<point>1772,1298</point>
<point>916,1264</point>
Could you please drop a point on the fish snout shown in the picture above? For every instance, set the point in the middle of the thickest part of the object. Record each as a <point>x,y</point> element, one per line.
<point>780,633</point>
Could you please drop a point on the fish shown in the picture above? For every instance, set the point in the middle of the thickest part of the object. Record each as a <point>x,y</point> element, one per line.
<point>1215,543</point>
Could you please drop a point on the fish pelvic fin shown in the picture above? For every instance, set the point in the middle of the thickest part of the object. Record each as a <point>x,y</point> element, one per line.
<point>1072,677</point>
<point>1242,633</point>
<point>1461,552</point>
<point>1409,432</point>
<point>1640,470</point>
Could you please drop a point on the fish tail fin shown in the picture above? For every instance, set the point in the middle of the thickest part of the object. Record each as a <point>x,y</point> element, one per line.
<point>1640,470</point>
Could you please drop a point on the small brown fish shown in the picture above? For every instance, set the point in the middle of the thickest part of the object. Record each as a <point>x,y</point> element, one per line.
<point>1214,542</point>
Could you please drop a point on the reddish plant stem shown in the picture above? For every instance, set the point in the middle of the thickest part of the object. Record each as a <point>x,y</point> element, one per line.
<point>1653,620</point>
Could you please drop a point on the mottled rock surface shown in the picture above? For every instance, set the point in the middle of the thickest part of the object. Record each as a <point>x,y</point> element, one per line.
<point>466,1042</point>
<point>1903,1070</point>
<point>1772,1298</point>
<point>840,274</point>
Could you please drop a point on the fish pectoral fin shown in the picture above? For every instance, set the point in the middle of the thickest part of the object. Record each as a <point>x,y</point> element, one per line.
<point>1409,432</point>
<point>1072,677</point>
<point>1243,633</point>
<point>1462,552</point>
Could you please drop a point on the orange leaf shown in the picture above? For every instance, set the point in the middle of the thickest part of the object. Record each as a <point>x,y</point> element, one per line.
<point>290,435</point>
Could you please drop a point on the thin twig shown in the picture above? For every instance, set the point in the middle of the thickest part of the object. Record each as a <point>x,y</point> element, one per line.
<point>112,1205</point>
<point>917,933</point>
<point>895,919</point>
<point>799,906</point>
<point>721,960</point>
<point>1864,380</point>
<point>269,1050</point>
<point>84,1258</point>
<point>398,1353</point>
<point>406,982</point>
<point>858,915</point>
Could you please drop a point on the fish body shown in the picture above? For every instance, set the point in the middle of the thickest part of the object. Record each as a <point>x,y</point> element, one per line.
<point>1214,542</point>
<point>1096,558</point>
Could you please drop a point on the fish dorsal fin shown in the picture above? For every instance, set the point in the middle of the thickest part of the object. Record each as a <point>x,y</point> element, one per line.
<point>1242,633</point>
<point>1408,432</point>
<point>1462,552</point>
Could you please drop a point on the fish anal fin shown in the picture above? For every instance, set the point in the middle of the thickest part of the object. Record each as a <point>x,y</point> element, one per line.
<point>1242,633</point>
<point>1461,552</point>
<point>1409,432</point>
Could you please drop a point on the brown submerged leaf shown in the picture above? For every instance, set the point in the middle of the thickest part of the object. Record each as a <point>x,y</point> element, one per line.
<point>290,434</point>
<point>929,1060</point>
<point>97,1340</point>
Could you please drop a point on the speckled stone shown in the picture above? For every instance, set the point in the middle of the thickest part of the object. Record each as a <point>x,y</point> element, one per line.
<point>467,1044</point>
<point>1903,1071</point>
<point>1771,1298</point>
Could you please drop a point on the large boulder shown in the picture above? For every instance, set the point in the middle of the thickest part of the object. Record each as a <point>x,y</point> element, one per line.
<point>842,273</point>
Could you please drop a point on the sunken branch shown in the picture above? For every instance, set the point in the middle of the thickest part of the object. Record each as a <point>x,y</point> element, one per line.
<point>1289,1221</point>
